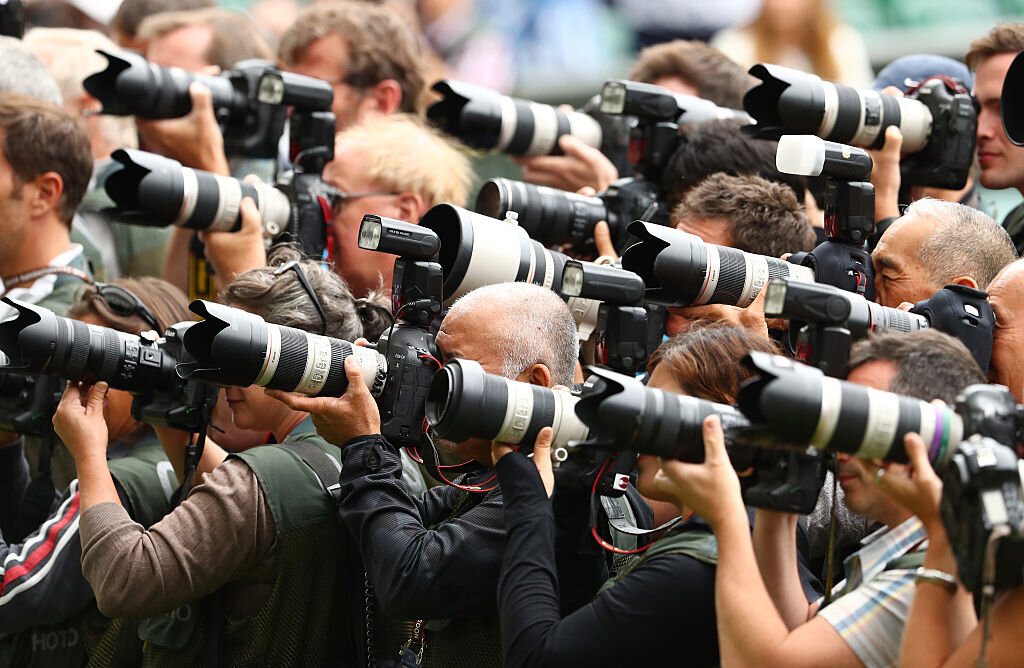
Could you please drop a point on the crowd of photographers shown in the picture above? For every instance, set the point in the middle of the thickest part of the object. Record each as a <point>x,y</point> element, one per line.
<point>730,377</point>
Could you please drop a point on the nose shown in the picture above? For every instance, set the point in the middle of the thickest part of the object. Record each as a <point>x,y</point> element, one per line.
<point>988,125</point>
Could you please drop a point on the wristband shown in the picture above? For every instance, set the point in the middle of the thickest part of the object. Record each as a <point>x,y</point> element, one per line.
<point>936,576</point>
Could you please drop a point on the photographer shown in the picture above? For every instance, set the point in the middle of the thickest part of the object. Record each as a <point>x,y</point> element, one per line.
<point>942,628</point>
<point>368,54</point>
<point>1006,296</point>
<point>763,618</point>
<point>934,244</point>
<point>436,558</point>
<point>238,549</point>
<point>41,582</point>
<point>1002,163</point>
<point>637,616</point>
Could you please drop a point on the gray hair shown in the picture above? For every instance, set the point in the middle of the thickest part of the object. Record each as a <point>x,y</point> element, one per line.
<point>23,72</point>
<point>966,242</point>
<point>71,56</point>
<point>282,300</point>
<point>534,326</point>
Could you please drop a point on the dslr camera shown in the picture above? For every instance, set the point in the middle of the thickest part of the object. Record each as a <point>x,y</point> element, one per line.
<point>38,341</point>
<point>233,347</point>
<point>251,100</point>
<point>938,120</point>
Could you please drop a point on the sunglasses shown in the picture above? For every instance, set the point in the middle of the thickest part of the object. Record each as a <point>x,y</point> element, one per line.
<point>294,264</point>
<point>339,198</point>
<point>125,304</point>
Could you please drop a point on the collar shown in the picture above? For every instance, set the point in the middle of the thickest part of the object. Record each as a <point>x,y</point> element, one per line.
<point>880,548</point>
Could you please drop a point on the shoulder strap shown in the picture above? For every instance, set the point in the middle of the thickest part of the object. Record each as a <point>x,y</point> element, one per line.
<point>907,561</point>
<point>323,466</point>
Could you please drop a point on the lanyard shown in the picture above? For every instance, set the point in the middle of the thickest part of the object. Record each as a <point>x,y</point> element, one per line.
<point>11,281</point>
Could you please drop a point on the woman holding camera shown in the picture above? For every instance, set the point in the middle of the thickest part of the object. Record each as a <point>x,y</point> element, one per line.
<point>248,568</point>
<point>661,608</point>
<point>41,580</point>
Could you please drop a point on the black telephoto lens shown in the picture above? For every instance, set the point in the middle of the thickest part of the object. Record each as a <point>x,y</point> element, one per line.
<point>623,414</point>
<point>132,86</point>
<point>37,340</point>
<point>549,215</point>
<point>466,402</point>
<point>235,347</point>
<point>795,405</point>
<point>680,269</point>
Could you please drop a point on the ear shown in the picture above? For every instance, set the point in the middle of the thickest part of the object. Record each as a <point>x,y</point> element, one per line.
<point>44,193</point>
<point>965,280</point>
<point>410,207</point>
<point>382,99</point>
<point>536,374</point>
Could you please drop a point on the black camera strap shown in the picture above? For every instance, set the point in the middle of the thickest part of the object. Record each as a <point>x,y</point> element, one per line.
<point>618,521</point>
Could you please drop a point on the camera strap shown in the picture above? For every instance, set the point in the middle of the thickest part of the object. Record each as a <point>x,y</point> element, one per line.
<point>618,521</point>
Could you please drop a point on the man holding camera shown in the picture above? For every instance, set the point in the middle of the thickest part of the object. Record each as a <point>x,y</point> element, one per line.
<point>763,616</point>
<point>1002,163</point>
<point>436,559</point>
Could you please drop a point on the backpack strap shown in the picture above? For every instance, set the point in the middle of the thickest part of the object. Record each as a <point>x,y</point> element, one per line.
<point>323,466</point>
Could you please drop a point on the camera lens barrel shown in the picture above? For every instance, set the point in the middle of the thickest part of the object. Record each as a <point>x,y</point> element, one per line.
<point>133,86</point>
<point>623,414</point>
<point>549,215</point>
<point>464,402</point>
<point>157,191</point>
<point>680,269</point>
<point>798,405</point>
<point>40,341</point>
<point>235,347</point>
<point>486,119</point>
<point>478,251</point>
<point>789,101</point>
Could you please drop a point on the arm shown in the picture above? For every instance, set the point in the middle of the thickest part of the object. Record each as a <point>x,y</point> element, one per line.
<point>222,529</point>
<point>41,580</point>
<point>14,480</point>
<point>580,166</point>
<point>774,540</point>
<point>533,632</point>
<point>750,629</point>
<point>418,571</point>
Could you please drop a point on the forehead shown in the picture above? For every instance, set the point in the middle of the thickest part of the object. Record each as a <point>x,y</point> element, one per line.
<point>906,235</point>
<point>988,79</point>
<point>346,171</point>
<point>878,374</point>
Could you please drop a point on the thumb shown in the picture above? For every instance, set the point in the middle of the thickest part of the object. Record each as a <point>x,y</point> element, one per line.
<point>893,140</point>
<point>97,393</point>
<point>603,240</point>
<point>917,453</point>
<point>295,401</point>
<point>354,372</point>
<point>542,458</point>
<point>714,439</point>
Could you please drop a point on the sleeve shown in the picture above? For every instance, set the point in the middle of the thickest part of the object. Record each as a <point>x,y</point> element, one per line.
<point>14,484</point>
<point>418,571</point>
<point>871,617</point>
<point>639,616</point>
<point>222,529</point>
<point>41,580</point>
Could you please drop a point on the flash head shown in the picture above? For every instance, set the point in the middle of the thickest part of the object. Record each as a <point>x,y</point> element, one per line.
<point>654,103</point>
<point>387,235</point>
<point>807,155</point>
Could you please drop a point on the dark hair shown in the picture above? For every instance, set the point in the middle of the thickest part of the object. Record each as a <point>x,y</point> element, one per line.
<point>711,72</point>
<point>165,301</point>
<point>720,146</point>
<point>39,138</point>
<point>1004,38</point>
<point>929,364</point>
<point>131,13</point>
<point>763,217</point>
<point>705,359</point>
<point>380,44</point>
<point>282,300</point>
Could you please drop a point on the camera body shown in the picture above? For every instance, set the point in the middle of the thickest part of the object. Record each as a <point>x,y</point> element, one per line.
<point>28,401</point>
<point>250,100</point>
<point>945,160</point>
<point>983,513</point>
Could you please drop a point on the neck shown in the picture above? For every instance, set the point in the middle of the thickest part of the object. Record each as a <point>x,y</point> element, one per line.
<point>49,239</point>
<point>893,518</point>
<point>289,423</point>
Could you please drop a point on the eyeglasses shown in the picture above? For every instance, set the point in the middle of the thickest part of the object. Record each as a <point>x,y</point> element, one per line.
<point>294,264</point>
<point>339,198</point>
<point>123,303</point>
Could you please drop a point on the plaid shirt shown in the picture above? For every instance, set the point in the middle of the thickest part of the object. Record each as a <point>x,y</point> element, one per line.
<point>873,602</point>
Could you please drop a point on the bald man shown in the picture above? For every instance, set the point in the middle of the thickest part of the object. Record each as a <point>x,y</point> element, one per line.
<point>1006,295</point>
<point>934,244</point>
